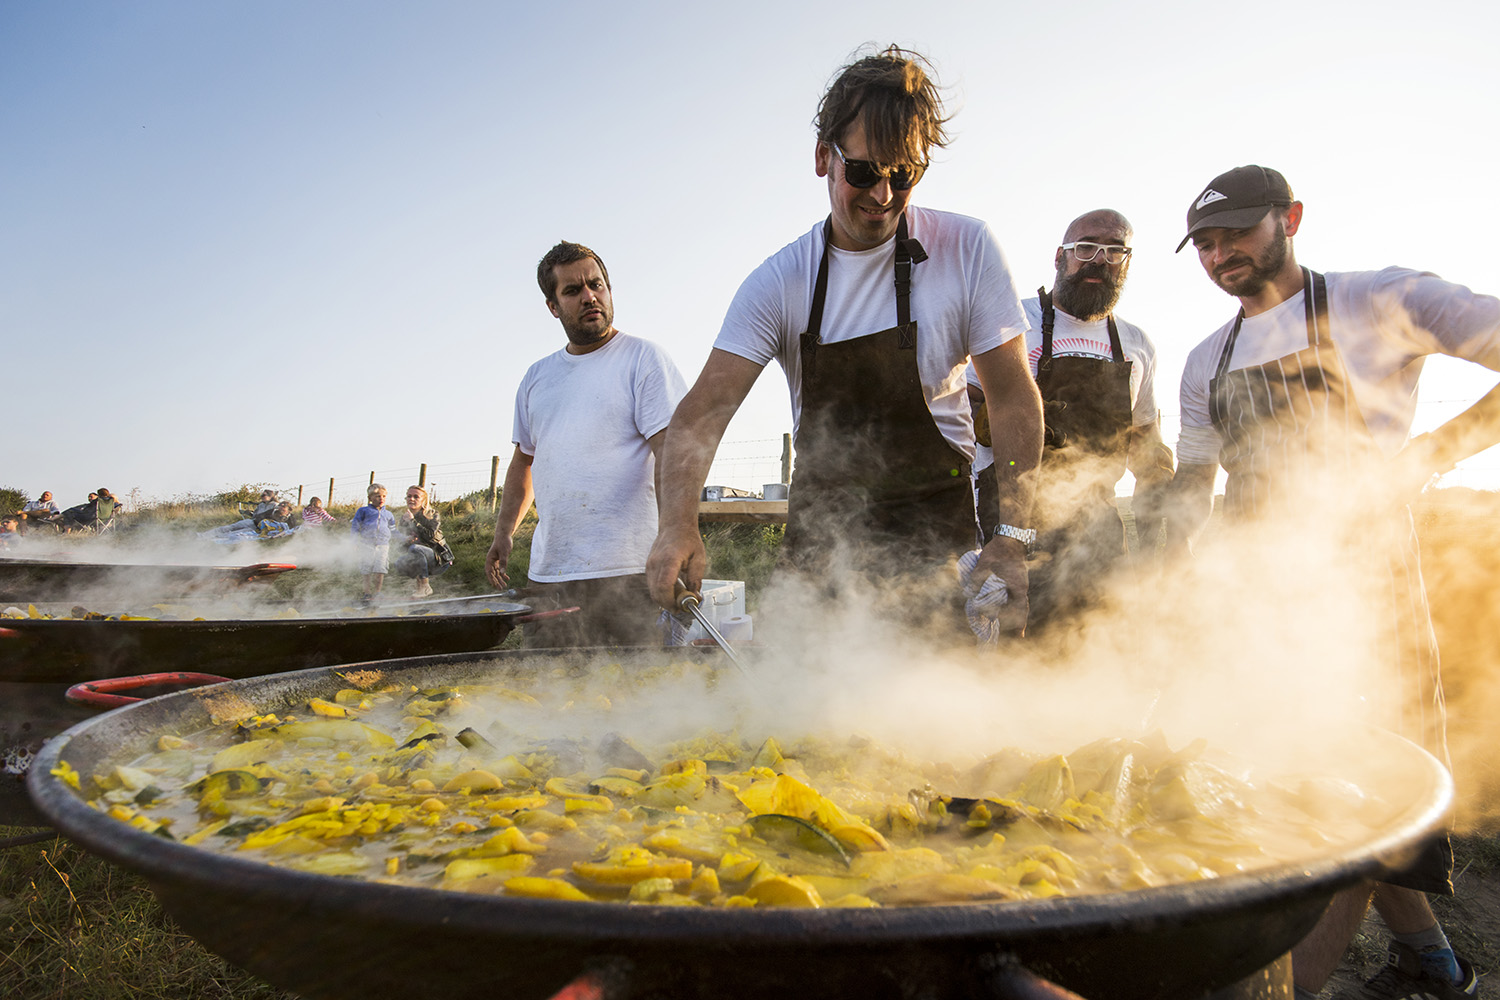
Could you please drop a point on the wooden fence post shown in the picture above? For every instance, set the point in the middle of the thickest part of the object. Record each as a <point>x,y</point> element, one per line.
<point>786,458</point>
<point>299,494</point>
<point>329,501</point>
<point>494,477</point>
<point>422,476</point>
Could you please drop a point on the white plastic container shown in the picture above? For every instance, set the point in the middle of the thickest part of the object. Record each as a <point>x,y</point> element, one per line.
<point>721,599</point>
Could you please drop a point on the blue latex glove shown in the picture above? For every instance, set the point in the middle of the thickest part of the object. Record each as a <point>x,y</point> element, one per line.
<point>984,600</point>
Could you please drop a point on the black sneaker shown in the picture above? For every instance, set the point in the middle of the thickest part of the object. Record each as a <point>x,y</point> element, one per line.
<point>1403,978</point>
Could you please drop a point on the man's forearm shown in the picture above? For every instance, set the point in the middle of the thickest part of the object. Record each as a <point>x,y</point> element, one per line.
<point>685,460</point>
<point>514,501</point>
<point>1150,462</point>
<point>686,456</point>
<point>1015,411</point>
<point>1469,433</point>
<point>1187,503</point>
<point>1016,430</point>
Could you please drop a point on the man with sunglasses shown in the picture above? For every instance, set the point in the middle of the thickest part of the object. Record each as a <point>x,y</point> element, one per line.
<point>1306,398</point>
<point>873,315</point>
<point>1096,374</point>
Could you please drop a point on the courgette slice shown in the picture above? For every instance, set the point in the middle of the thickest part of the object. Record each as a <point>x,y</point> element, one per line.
<point>228,784</point>
<point>790,832</point>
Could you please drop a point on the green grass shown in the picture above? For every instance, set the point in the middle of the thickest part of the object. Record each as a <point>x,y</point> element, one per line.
<point>73,927</point>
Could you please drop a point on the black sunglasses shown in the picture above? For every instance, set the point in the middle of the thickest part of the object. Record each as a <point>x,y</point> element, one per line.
<point>868,173</point>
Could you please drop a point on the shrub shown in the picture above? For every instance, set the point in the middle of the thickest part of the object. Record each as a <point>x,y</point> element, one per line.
<point>12,500</point>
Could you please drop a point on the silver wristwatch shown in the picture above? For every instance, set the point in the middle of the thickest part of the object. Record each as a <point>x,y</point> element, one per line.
<point>1026,536</point>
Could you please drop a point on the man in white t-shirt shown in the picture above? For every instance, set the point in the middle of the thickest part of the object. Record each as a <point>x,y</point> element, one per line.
<point>1096,373</point>
<point>873,315</point>
<point>589,424</point>
<point>1317,376</point>
<point>42,511</point>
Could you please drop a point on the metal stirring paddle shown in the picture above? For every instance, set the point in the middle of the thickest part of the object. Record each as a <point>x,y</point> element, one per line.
<point>689,602</point>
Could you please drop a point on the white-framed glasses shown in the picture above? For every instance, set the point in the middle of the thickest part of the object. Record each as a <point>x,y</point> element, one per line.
<point>1084,252</point>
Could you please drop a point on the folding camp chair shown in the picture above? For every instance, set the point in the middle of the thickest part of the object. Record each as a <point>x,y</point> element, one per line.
<point>104,516</point>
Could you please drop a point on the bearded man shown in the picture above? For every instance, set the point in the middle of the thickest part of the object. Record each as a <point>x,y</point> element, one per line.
<point>1306,395</point>
<point>1096,375</point>
<point>589,423</point>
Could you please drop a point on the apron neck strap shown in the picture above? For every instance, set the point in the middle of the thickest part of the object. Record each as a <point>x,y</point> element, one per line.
<point>908,252</point>
<point>1049,319</point>
<point>1314,308</point>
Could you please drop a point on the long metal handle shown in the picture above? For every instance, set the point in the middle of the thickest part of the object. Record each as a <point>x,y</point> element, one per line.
<point>688,601</point>
<point>504,595</point>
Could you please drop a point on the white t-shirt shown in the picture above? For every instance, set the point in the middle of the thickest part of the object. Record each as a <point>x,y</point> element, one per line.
<point>585,419</point>
<point>984,455</point>
<point>1076,338</point>
<point>963,299</point>
<point>1382,322</point>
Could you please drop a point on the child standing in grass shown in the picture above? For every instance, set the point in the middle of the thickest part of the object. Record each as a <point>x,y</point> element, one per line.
<point>371,528</point>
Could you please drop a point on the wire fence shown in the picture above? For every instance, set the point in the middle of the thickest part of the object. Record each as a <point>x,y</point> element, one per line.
<point>745,465</point>
<point>748,465</point>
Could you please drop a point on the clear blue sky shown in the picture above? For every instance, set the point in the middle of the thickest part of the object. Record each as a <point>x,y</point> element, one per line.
<point>276,241</point>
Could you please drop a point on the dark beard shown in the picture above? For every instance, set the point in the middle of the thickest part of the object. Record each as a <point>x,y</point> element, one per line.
<point>1084,301</point>
<point>1262,268</point>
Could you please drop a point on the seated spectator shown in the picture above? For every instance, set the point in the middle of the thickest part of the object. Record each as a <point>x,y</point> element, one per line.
<point>10,533</point>
<point>265,505</point>
<point>243,526</point>
<point>314,514</point>
<point>279,513</point>
<point>43,511</point>
<point>425,553</point>
<point>273,524</point>
<point>100,507</point>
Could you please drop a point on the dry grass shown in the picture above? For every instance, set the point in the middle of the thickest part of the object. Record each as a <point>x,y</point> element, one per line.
<point>73,927</point>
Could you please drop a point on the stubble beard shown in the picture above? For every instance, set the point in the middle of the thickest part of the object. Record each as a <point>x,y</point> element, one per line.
<point>587,336</point>
<point>1263,268</point>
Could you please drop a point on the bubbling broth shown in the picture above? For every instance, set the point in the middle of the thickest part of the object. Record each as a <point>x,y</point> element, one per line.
<point>589,786</point>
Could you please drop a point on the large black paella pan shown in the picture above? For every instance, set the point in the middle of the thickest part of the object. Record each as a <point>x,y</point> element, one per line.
<point>326,936</point>
<point>41,658</point>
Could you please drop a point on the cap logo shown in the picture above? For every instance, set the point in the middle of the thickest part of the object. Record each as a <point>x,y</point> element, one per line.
<point>1209,197</point>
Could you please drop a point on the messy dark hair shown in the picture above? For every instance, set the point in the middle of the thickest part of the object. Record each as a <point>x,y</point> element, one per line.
<point>894,94</point>
<point>564,253</point>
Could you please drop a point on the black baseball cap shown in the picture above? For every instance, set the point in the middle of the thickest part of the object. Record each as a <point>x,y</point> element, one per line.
<point>1237,199</point>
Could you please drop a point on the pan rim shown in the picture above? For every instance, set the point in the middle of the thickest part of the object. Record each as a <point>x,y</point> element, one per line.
<point>164,862</point>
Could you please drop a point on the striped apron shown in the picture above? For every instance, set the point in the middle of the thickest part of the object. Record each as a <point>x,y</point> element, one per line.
<point>1296,416</point>
<point>1289,419</point>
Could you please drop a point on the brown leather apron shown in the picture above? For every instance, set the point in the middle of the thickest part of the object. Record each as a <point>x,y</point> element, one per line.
<point>1289,419</point>
<point>1087,412</point>
<point>877,488</point>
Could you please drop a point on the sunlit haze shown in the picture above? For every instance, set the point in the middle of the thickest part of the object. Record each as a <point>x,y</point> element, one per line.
<point>283,242</point>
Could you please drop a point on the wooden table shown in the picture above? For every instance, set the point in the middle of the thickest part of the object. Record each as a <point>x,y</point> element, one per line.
<point>743,511</point>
